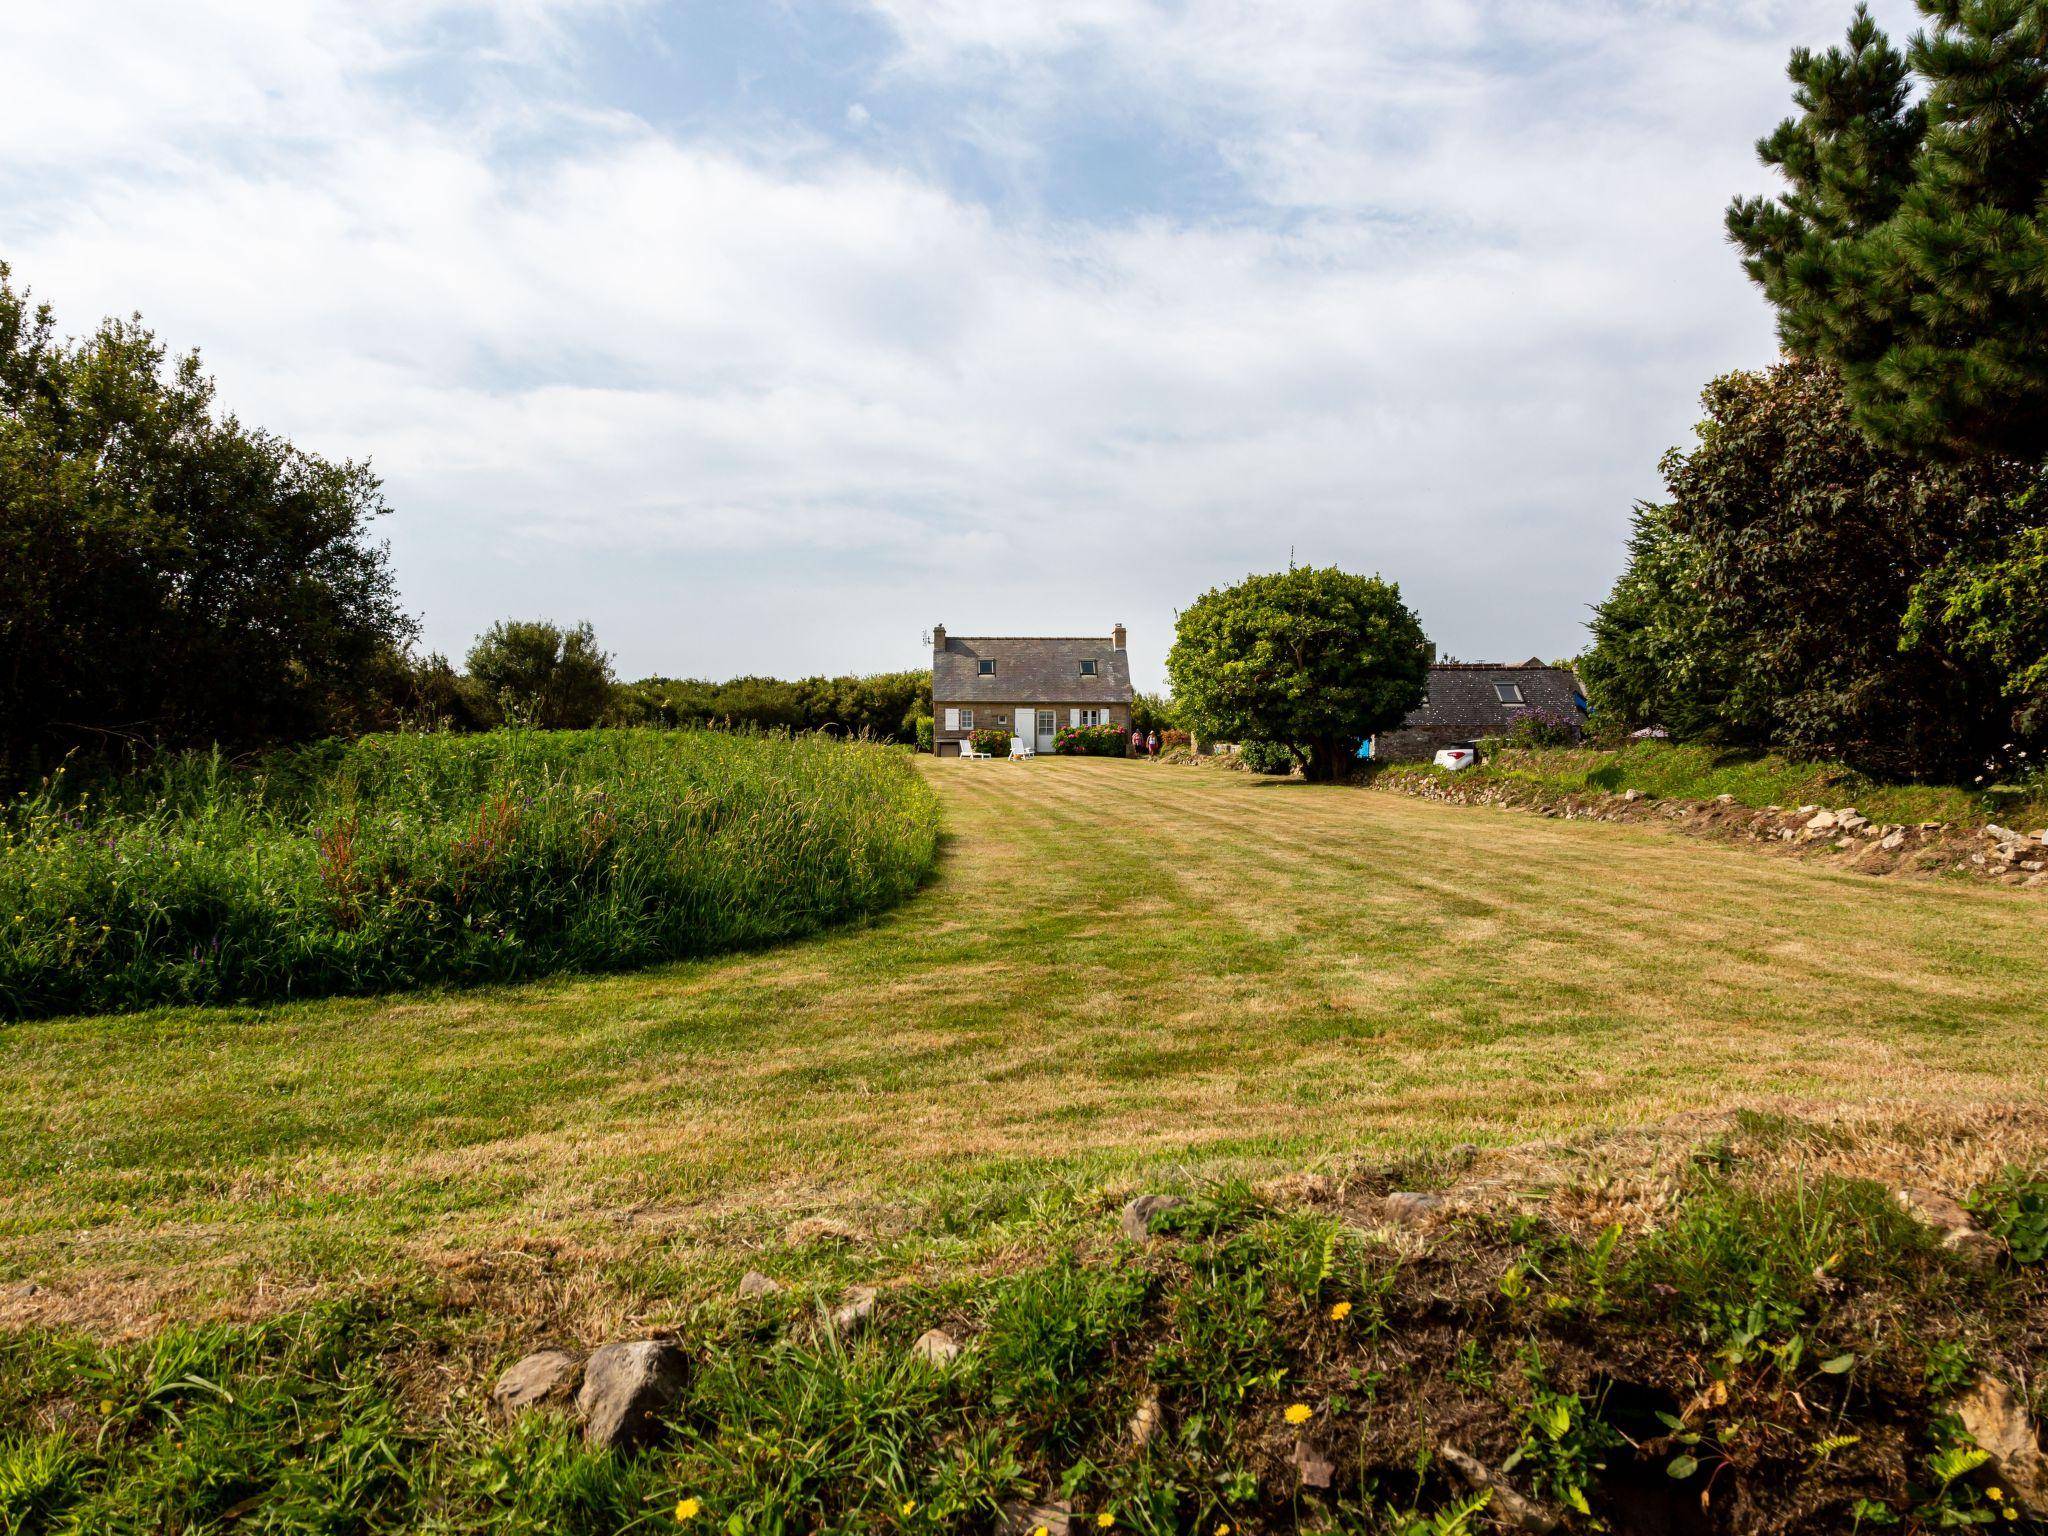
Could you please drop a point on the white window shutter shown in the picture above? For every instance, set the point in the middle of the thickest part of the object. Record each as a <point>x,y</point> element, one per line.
<point>952,719</point>
<point>1073,717</point>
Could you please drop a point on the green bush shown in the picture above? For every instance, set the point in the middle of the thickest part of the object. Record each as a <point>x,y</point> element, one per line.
<point>1090,741</point>
<point>399,860</point>
<point>1265,757</point>
<point>924,733</point>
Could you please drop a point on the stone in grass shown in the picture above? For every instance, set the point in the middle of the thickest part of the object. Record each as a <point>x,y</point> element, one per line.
<point>626,1389</point>
<point>935,1346</point>
<point>1993,1416</point>
<point>1026,1517</point>
<point>753,1283</point>
<point>1410,1206</point>
<point>547,1379</point>
<point>1957,1228</point>
<point>1149,1420</point>
<point>1506,1504</point>
<point>1138,1214</point>
<point>852,1314</point>
<point>1312,1463</point>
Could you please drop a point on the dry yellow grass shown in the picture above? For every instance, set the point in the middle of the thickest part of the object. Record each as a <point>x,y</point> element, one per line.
<point>1121,968</point>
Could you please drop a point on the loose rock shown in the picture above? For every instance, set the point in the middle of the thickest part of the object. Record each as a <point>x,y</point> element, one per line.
<point>626,1388</point>
<point>852,1314</point>
<point>1148,1420</point>
<point>1958,1228</point>
<point>1024,1518</point>
<point>754,1283</point>
<point>1507,1504</point>
<point>935,1346</point>
<point>1312,1463</point>
<point>547,1379</point>
<point>1994,1417</point>
<point>1823,821</point>
<point>1138,1214</point>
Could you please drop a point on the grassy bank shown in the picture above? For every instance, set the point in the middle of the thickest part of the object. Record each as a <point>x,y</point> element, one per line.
<point>402,860</point>
<point>1685,772</point>
<point>1778,1348</point>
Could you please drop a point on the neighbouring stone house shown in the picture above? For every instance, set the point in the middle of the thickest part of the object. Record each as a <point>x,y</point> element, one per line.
<point>1026,687</point>
<point>1471,699</point>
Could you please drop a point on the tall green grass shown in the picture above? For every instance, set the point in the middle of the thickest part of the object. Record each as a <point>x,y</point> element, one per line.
<point>400,860</point>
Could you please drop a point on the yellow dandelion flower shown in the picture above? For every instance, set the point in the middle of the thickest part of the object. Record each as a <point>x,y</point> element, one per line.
<point>688,1509</point>
<point>1340,1311</point>
<point>1222,1528</point>
<point>106,1406</point>
<point>1105,1520</point>
<point>2009,1512</point>
<point>909,1507</point>
<point>1994,1494</point>
<point>1039,1530</point>
<point>1298,1413</point>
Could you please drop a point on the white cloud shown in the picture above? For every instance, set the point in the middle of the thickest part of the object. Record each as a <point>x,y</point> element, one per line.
<point>678,383</point>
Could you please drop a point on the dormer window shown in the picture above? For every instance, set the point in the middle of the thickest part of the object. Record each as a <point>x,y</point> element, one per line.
<point>985,668</point>
<point>1087,669</point>
<point>1510,693</point>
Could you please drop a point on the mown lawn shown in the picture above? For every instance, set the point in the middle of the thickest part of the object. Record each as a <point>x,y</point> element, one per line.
<point>1123,970</point>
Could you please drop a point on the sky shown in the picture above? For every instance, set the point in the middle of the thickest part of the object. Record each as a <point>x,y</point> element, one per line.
<point>765,336</point>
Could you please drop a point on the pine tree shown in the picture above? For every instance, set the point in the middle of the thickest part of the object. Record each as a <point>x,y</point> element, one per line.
<point>1911,249</point>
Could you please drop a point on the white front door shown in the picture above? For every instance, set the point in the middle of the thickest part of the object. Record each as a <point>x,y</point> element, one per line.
<point>1047,726</point>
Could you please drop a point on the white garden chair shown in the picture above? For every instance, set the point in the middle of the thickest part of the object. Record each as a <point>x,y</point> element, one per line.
<point>1020,748</point>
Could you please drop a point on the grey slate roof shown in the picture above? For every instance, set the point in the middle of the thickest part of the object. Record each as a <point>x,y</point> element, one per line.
<point>1030,670</point>
<point>1462,696</point>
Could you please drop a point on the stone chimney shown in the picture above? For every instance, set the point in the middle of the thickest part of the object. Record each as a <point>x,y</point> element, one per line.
<point>938,637</point>
<point>1116,638</point>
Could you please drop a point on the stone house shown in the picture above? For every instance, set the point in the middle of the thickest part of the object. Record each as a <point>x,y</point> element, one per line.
<point>1026,686</point>
<point>1471,699</point>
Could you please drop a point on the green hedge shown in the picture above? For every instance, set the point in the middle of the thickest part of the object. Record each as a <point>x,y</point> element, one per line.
<point>400,860</point>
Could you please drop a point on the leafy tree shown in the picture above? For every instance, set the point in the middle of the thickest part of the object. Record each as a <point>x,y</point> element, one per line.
<point>1658,657</point>
<point>167,575</point>
<point>1764,605</point>
<point>1990,606</point>
<point>542,674</point>
<point>1314,659</point>
<point>1911,249</point>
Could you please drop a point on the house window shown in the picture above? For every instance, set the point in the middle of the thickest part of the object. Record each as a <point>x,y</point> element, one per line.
<point>1510,693</point>
<point>966,719</point>
<point>1002,719</point>
<point>985,668</point>
<point>1095,717</point>
<point>1087,669</point>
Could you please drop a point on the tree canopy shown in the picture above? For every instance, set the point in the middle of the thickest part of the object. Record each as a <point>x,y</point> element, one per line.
<point>1911,247</point>
<point>541,674</point>
<point>1766,604</point>
<point>1314,659</point>
<point>168,576</point>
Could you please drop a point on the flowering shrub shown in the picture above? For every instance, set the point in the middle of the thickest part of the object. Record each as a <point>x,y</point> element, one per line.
<point>994,742</point>
<point>1168,740</point>
<point>1092,741</point>
<point>1540,727</point>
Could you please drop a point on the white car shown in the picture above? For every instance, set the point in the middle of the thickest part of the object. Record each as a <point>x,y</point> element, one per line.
<point>1456,758</point>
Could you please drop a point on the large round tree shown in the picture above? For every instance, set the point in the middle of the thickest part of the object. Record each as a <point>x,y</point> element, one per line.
<point>1315,660</point>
